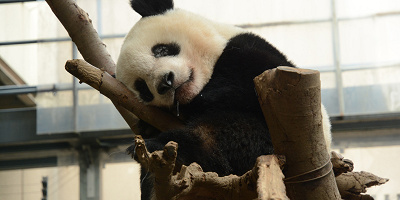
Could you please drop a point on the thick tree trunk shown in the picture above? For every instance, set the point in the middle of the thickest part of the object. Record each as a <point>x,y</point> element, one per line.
<point>291,103</point>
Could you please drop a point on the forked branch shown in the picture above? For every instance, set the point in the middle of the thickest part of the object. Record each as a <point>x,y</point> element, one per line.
<point>192,183</point>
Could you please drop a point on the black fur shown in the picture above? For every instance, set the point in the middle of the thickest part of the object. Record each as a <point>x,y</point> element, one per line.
<point>151,7</point>
<point>225,130</point>
<point>144,91</point>
<point>162,50</point>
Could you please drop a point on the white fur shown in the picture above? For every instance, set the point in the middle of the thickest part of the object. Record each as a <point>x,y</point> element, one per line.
<point>201,41</point>
<point>326,126</point>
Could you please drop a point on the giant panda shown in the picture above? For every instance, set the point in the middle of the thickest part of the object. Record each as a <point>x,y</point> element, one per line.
<point>202,71</point>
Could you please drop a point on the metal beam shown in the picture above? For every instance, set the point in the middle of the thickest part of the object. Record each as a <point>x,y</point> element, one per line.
<point>337,59</point>
<point>28,163</point>
<point>90,178</point>
<point>366,131</point>
<point>18,127</point>
<point>14,1</point>
<point>362,123</point>
<point>314,21</point>
<point>366,138</point>
<point>25,89</point>
<point>49,40</point>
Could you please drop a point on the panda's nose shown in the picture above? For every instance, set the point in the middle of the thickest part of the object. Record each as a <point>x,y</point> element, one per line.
<point>166,83</point>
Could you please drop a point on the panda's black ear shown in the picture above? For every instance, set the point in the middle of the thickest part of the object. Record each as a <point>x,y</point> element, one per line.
<point>151,7</point>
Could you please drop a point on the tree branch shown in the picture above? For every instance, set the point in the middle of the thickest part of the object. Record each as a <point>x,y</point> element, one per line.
<point>352,184</point>
<point>192,183</point>
<point>270,182</point>
<point>79,27</point>
<point>340,165</point>
<point>120,95</point>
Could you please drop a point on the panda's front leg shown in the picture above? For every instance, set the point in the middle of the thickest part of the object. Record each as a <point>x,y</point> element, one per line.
<point>141,149</point>
<point>193,146</point>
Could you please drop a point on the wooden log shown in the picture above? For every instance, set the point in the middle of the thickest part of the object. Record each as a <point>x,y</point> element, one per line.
<point>120,95</point>
<point>291,102</point>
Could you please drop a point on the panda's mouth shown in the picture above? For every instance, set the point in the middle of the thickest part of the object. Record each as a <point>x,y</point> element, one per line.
<point>183,92</point>
<point>190,76</point>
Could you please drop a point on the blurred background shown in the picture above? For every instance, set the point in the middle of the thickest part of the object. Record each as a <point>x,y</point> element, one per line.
<point>63,140</point>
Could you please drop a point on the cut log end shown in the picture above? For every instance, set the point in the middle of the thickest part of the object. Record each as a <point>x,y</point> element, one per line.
<point>352,184</point>
<point>297,70</point>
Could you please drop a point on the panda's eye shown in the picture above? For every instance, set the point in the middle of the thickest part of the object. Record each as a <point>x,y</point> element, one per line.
<point>144,92</point>
<point>162,50</point>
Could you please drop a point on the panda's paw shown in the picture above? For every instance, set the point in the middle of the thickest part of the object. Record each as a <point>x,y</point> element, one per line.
<point>138,143</point>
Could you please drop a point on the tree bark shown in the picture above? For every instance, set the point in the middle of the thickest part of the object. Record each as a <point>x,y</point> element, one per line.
<point>270,184</point>
<point>352,184</point>
<point>194,184</point>
<point>291,103</point>
<point>340,165</point>
<point>79,27</point>
<point>120,95</point>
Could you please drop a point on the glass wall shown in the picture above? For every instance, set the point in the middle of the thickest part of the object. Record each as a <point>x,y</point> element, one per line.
<point>355,48</point>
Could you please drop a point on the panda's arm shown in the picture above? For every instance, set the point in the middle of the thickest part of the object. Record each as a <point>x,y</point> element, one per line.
<point>146,130</point>
<point>224,142</point>
<point>193,146</point>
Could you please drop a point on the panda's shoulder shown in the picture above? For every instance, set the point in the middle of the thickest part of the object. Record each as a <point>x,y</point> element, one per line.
<point>249,50</point>
<point>240,49</point>
<point>247,41</point>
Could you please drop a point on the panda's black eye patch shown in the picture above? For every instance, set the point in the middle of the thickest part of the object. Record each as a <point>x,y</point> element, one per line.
<point>144,92</point>
<point>162,50</point>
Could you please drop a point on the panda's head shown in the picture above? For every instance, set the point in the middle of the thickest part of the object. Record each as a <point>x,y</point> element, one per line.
<point>169,54</point>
